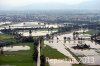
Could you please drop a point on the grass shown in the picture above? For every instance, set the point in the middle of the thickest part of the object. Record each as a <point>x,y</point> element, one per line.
<point>21,52</point>
<point>52,53</point>
<point>8,38</point>
<point>14,59</point>
<point>17,58</point>
<point>5,36</point>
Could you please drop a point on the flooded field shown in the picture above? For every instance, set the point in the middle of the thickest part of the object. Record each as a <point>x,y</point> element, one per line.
<point>27,25</point>
<point>87,53</point>
<point>37,33</point>
<point>59,43</point>
<point>16,48</point>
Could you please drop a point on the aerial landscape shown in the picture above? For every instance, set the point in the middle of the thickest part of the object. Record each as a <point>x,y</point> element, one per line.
<point>49,33</point>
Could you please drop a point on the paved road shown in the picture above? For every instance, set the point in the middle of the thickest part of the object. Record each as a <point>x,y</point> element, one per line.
<point>38,59</point>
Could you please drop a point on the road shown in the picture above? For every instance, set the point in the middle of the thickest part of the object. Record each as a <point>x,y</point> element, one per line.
<point>38,59</point>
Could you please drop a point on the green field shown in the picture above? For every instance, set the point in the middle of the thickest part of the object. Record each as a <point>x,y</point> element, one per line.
<point>17,58</point>
<point>5,36</point>
<point>51,52</point>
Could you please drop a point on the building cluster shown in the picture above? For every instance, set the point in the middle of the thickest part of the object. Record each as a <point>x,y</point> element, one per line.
<point>49,17</point>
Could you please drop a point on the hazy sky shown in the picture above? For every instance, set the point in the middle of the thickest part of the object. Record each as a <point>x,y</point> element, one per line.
<point>9,4</point>
<point>27,2</point>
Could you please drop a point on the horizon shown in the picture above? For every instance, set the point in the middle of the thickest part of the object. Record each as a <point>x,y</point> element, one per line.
<point>49,4</point>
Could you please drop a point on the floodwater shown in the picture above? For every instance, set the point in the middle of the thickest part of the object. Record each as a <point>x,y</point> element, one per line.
<point>31,25</point>
<point>16,48</point>
<point>61,47</point>
<point>28,25</point>
<point>37,33</point>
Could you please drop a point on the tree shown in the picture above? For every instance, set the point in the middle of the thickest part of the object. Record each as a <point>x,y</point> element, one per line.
<point>57,38</point>
<point>51,29</point>
<point>77,34</point>
<point>69,39</point>
<point>2,44</point>
<point>30,33</point>
<point>45,25</point>
<point>9,27</point>
<point>35,55</point>
<point>39,24</point>
<point>27,39</point>
<point>65,39</point>
<point>73,33</point>
<point>2,50</point>
<point>41,39</point>
<point>43,60</point>
<point>48,36</point>
<point>36,42</point>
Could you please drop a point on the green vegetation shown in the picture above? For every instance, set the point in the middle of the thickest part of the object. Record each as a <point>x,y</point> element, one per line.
<point>8,38</point>
<point>17,58</point>
<point>91,32</point>
<point>54,29</point>
<point>5,37</point>
<point>51,53</point>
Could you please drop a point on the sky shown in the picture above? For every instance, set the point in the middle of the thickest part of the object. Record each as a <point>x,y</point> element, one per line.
<point>46,4</point>
<point>27,2</point>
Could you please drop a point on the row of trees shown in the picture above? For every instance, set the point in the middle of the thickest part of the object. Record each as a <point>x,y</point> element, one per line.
<point>42,57</point>
<point>36,43</point>
<point>35,54</point>
<point>68,28</point>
